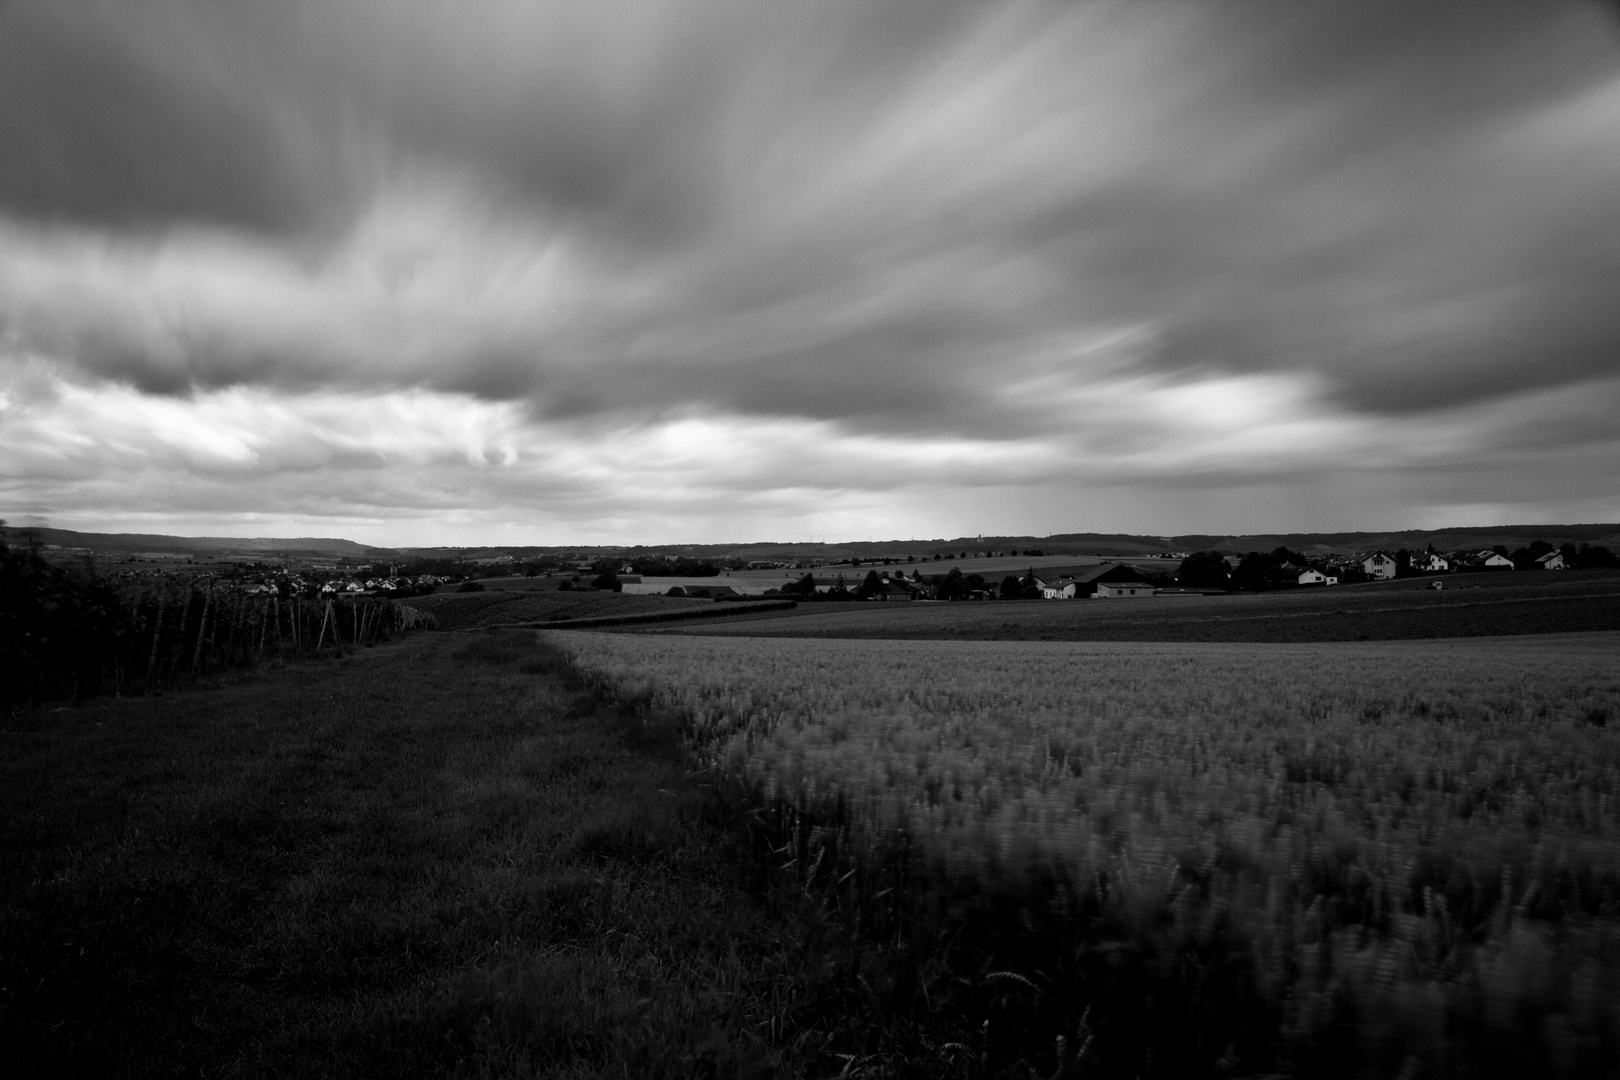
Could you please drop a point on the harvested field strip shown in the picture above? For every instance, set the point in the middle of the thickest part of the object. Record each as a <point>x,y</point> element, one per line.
<point>714,610</point>
<point>1461,604</point>
<point>465,611</point>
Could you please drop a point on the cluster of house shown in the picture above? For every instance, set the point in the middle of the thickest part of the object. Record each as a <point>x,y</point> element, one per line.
<point>1106,581</point>
<point>382,584</point>
<point>1382,566</point>
<point>1109,580</point>
<point>337,586</point>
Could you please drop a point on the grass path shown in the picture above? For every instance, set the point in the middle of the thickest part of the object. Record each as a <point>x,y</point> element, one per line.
<point>430,858</point>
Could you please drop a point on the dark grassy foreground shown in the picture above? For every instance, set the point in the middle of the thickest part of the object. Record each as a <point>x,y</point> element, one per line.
<point>445,857</point>
<point>430,858</point>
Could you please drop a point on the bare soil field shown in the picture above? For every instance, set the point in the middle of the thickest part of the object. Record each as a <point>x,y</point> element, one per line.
<point>1477,605</point>
<point>464,611</point>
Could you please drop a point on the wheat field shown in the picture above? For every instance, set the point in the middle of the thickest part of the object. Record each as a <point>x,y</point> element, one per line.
<point>1417,840</point>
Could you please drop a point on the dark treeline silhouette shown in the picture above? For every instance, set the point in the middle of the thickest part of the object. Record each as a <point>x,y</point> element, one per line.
<point>658,566</point>
<point>67,633</point>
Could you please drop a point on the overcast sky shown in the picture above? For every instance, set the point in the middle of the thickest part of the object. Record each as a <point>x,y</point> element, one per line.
<point>649,272</point>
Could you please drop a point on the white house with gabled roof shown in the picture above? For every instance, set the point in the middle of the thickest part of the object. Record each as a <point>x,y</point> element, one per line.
<point>1062,589</point>
<point>1379,565</point>
<point>1430,562</point>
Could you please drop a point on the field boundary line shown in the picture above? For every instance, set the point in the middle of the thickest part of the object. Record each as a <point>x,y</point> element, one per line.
<point>595,622</point>
<point>1402,610</point>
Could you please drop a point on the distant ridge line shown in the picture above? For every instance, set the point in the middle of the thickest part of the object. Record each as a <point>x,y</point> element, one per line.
<point>148,542</point>
<point>1074,543</point>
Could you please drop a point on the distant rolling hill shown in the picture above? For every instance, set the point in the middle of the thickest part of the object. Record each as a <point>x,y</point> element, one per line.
<point>143,543</point>
<point>1106,545</point>
<point>1510,536</point>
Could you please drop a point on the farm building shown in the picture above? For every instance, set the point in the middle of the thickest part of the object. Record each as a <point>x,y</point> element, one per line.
<point>1107,590</point>
<point>1379,565</point>
<point>1487,560</point>
<point>1551,561</point>
<point>1086,582</point>
<point>898,588</point>
<point>1316,577</point>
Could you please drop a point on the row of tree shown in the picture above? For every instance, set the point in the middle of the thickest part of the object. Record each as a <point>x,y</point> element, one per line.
<point>660,566</point>
<point>68,633</point>
<point>953,585</point>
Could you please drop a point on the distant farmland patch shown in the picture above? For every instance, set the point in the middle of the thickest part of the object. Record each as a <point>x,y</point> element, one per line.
<point>463,611</point>
<point>996,567</point>
<point>1476,605</point>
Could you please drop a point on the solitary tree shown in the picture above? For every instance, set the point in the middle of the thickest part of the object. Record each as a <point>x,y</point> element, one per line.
<point>870,586</point>
<point>805,586</point>
<point>1250,572</point>
<point>1203,570</point>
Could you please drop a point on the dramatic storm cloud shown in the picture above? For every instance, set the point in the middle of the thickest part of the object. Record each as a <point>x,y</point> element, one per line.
<point>575,272</point>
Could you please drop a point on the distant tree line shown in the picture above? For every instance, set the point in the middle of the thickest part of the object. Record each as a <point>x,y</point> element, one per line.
<point>438,567</point>
<point>952,585</point>
<point>1584,557</point>
<point>661,566</point>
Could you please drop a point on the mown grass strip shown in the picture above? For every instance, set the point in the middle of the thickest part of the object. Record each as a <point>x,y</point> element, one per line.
<point>434,858</point>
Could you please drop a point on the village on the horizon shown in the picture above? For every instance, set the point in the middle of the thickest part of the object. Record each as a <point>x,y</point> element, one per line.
<point>1065,567</point>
